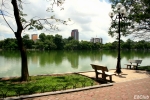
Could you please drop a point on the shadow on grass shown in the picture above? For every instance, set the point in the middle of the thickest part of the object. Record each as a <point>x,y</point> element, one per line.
<point>102,81</point>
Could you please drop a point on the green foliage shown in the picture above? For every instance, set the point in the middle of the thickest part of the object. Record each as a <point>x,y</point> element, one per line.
<point>50,42</point>
<point>1,44</point>
<point>144,68</point>
<point>10,44</point>
<point>42,37</point>
<point>38,84</point>
<point>138,19</point>
<point>58,42</point>
<point>26,37</point>
<point>28,43</point>
<point>128,45</point>
<point>71,44</point>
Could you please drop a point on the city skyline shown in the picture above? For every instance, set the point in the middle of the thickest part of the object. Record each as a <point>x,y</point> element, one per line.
<point>91,19</point>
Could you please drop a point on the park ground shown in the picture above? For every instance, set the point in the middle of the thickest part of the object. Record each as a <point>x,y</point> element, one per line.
<point>130,85</point>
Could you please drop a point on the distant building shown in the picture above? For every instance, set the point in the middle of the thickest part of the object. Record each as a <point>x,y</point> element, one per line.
<point>75,34</point>
<point>96,40</point>
<point>34,37</point>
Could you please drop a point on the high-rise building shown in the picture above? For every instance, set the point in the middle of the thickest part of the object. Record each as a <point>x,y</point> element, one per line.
<point>75,34</point>
<point>95,40</point>
<point>34,37</point>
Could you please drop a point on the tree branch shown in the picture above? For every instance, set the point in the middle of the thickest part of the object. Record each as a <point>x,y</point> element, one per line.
<point>17,17</point>
<point>7,22</point>
<point>5,18</point>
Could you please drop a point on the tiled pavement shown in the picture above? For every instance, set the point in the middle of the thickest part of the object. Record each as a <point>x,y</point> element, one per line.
<point>120,91</point>
<point>127,75</point>
<point>131,85</point>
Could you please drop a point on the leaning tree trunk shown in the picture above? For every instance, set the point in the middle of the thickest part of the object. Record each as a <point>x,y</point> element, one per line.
<point>24,63</point>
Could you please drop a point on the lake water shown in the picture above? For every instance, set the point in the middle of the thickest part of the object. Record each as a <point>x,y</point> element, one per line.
<point>50,62</point>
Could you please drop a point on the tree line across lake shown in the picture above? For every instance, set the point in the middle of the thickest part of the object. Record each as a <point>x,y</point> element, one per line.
<point>50,42</point>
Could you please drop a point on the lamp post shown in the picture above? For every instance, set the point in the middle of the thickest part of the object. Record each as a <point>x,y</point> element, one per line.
<point>121,16</point>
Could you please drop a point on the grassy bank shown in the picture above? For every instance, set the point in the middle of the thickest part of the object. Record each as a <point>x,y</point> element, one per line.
<point>39,84</point>
<point>144,68</point>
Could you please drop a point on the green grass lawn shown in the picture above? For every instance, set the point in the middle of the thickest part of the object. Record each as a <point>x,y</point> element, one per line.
<point>39,84</point>
<point>144,68</point>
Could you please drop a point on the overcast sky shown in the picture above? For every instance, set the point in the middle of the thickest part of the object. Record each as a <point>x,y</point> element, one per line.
<point>90,17</point>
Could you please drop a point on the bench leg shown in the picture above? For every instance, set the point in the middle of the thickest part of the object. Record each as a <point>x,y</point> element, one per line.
<point>110,78</point>
<point>127,66</point>
<point>130,66</point>
<point>104,76</point>
<point>96,76</point>
<point>136,67</point>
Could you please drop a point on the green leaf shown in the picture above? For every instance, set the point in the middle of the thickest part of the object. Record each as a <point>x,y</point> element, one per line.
<point>30,28</point>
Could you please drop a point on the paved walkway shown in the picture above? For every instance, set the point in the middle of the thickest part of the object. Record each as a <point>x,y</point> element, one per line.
<point>127,75</point>
<point>129,86</point>
<point>119,91</point>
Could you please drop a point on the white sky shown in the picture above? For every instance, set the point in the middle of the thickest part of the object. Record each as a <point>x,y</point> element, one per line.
<point>90,17</point>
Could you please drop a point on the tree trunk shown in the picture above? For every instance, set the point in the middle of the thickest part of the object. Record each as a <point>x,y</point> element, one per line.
<point>24,63</point>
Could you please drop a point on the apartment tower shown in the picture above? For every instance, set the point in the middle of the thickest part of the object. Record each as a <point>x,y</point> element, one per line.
<point>34,37</point>
<point>96,40</point>
<point>75,34</point>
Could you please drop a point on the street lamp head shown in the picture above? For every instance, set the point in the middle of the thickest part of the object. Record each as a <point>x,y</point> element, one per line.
<point>111,14</point>
<point>123,10</point>
<point>118,6</point>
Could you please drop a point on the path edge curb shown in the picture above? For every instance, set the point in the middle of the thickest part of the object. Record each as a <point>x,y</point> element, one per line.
<point>58,92</point>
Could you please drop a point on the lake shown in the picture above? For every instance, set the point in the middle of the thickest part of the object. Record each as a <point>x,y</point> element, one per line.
<point>51,62</point>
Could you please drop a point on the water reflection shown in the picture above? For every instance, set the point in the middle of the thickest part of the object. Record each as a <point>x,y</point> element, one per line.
<point>73,58</point>
<point>48,62</point>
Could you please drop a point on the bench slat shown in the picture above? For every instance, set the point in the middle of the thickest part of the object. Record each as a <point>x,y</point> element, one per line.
<point>109,73</point>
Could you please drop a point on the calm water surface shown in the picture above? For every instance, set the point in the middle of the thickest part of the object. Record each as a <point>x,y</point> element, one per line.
<point>50,62</point>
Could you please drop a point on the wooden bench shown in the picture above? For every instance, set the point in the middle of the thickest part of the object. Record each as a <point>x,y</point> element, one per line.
<point>134,63</point>
<point>102,70</point>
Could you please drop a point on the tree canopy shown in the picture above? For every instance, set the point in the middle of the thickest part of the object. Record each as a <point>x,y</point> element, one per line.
<point>138,20</point>
<point>21,23</point>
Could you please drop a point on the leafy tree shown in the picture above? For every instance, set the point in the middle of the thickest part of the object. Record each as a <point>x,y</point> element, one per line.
<point>141,45</point>
<point>39,45</point>
<point>50,45</point>
<point>22,24</point>
<point>50,37</point>
<point>58,42</point>
<point>42,37</point>
<point>1,44</point>
<point>26,37</point>
<point>10,44</point>
<point>96,46</point>
<point>107,46</point>
<point>84,45</point>
<point>70,38</point>
<point>128,44</point>
<point>138,19</point>
<point>27,42</point>
<point>45,42</point>
<point>114,45</point>
<point>72,45</point>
